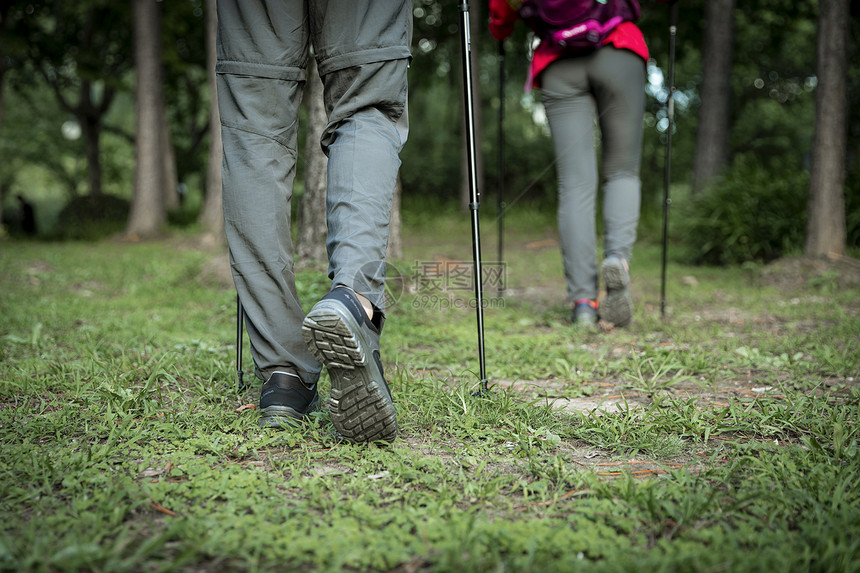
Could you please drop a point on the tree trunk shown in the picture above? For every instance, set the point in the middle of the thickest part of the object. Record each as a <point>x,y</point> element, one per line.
<point>825,231</point>
<point>169,174</point>
<point>147,214</point>
<point>170,178</point>
<point>712,138</point>
<point>91,130</point>
<point>395,226</point>
<point>310,243</point>
<point>211,216</point>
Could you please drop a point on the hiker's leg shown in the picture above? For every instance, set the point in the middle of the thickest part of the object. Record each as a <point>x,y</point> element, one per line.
<point>618,80</point>
<point>262,53</point>
<point>570,111</point>
<point>363,63</point>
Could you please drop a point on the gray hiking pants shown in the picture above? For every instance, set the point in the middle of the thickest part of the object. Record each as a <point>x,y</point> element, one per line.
<point>362,52</point>
<point>613,81</point>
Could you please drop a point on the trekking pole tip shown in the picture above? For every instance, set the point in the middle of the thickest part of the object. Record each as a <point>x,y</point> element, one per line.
<point>485,389</point>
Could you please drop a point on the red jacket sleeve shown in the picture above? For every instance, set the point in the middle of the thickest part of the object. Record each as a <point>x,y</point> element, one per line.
<point>502,19</point>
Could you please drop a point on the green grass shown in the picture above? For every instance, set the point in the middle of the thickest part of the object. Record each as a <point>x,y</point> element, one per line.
<point>728,439</point>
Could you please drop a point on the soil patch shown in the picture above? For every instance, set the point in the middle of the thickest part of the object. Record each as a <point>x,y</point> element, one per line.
<point>794,273</point>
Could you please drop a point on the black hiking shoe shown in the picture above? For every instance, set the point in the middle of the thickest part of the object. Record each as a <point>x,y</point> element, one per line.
<point>339,334</point>
<point>285,400</point>
<point>618,306</point>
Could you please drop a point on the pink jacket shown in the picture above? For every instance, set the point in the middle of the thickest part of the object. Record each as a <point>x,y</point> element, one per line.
<point>627,36</point>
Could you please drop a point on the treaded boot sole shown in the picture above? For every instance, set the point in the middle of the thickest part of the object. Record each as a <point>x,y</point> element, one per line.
<point>361,408</point>
<point>618,306</point>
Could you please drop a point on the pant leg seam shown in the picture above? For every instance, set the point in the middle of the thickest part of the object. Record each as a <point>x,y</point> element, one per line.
<point>277,140</point>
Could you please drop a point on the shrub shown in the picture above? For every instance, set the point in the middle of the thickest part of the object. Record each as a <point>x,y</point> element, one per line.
<point>90,218</point>
<point>749,215</point>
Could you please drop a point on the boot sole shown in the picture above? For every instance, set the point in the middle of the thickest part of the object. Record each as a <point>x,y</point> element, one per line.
<point>361,408</point>
<point>618,306</point>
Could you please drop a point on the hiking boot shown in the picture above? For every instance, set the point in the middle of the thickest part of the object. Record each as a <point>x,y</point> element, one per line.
<point>618,306</point>
<point>585,312</point>
<point>339,334</point>
<point>285,400</point>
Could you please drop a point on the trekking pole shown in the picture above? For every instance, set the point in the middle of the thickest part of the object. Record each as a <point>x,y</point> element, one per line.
<point>667,168</point>
<point>501,198</point>
<point>474,197</point>
<point>240,320</point>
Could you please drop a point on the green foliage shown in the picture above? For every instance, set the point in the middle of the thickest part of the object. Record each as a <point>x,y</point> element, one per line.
<point>186,88</point>
<point>36,156</point>
<point>748,215</point>
<point>776,135</point>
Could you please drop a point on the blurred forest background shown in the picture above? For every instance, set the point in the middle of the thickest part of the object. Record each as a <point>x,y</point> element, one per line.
<point>107,125</point>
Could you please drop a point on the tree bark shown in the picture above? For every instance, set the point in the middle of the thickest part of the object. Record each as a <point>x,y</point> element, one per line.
<point>91,131</point>
<point>211,216</point>
<point>825,232</point>
<point>310,243</point>
<point>169,175</point>
<point>712,138</point>
<point>147,215</point>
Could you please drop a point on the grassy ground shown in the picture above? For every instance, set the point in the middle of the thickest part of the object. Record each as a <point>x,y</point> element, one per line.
<point>721,438</point>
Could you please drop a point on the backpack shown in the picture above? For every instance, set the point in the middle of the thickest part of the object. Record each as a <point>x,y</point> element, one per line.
<point>577,25</point>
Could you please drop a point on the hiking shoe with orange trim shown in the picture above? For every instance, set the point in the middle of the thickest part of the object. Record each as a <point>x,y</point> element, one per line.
<point>585,312</point>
